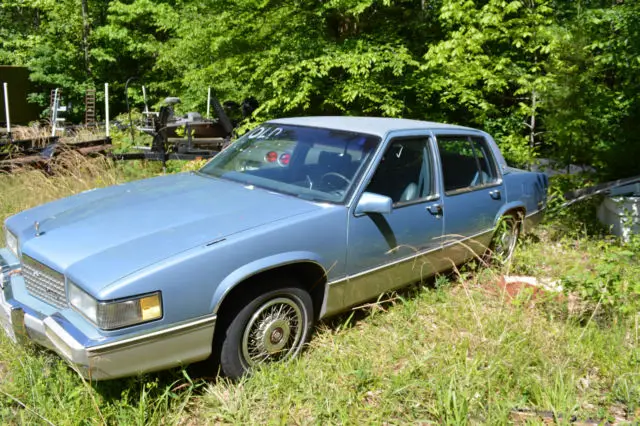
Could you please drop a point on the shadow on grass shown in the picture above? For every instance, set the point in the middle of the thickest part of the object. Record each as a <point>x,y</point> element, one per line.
<point>384,302</point>
<point>195,377</point>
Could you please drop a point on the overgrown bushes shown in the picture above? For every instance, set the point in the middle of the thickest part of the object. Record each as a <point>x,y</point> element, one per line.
<point>600,272</point>
<point>546,78</point>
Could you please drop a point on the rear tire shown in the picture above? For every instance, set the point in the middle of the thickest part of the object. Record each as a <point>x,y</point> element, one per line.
<point>505,239</point>
<point>272,327</point>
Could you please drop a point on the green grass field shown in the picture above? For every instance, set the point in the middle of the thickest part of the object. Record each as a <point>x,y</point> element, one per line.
<point>456,350</point>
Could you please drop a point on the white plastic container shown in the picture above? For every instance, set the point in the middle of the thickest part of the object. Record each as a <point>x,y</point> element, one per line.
<point>621,214</point>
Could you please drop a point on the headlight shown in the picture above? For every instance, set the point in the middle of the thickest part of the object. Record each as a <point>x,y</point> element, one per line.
<point>12,241</point>
<point>117,314</point>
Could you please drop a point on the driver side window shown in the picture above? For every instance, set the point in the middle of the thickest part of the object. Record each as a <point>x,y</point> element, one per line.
<point>405,173</point>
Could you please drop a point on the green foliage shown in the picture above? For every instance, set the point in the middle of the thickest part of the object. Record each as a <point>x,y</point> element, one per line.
<point>593,97</point>
<point>546,78</point>
<point>597,271</point>
<point>609,281</point>
<point>295,57</point>
<point>580,218</point>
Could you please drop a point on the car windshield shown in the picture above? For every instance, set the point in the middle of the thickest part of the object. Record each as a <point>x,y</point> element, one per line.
<point>308,162</point>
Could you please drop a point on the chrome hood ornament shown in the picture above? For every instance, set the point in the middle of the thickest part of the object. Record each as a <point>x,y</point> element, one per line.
<point>36,226</point>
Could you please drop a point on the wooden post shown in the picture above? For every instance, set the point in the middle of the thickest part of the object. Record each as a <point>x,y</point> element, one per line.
<point>532,127</point>
<point>144,98</point>
<point>106,108</point>
<point>6,109</point>
<point>54,112</point>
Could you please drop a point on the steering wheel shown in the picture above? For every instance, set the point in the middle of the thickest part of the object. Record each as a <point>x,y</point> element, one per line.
<point>337,175</point>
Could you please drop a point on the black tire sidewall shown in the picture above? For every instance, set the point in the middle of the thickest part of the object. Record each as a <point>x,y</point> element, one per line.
<point>231,359</point>
<point>515,226</point>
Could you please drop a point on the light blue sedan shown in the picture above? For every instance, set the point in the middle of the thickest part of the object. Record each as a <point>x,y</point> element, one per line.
<point>299,219</point>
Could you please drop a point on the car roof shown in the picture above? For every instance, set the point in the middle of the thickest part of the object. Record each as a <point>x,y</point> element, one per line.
<point>379,126</point>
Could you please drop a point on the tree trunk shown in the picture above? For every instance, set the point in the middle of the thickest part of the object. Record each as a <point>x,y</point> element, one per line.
<point>85,35</point>
<point>532,125</point>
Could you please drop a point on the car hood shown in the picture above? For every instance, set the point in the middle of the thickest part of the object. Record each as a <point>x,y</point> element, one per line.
<point>100,236</point>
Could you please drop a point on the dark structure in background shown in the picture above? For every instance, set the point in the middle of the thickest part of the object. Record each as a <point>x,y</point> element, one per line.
<point>185,137</point>
<point>189,136</point>
<point>22,112</point>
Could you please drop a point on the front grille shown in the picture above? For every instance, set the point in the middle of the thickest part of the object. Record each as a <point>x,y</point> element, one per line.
<point>43,282</point>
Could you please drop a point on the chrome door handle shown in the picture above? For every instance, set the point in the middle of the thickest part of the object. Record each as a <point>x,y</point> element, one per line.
<point>495,194</point>
<point>435,209</point>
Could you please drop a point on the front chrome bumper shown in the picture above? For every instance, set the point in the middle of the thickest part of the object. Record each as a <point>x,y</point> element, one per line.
<point>106,357</point>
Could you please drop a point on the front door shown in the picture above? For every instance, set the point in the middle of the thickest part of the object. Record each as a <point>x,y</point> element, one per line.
<point>387,251</point>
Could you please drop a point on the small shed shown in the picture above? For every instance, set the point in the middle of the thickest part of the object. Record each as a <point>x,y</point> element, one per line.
<point>17,78</point>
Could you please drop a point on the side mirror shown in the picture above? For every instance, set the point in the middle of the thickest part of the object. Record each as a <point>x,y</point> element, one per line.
<point>373,203</point>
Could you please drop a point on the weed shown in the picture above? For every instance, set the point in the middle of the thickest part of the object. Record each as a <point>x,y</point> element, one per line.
<point>453,354</point>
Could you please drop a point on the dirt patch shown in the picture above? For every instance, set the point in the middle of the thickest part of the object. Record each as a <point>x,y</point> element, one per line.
<point>512,286</point>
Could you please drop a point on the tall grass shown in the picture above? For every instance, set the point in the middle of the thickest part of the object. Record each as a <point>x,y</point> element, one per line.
<point>40,134</point>
<point>67,174</point>
<point>81,134</point>
<point>36,386</point>
<point>454,351</point>
<point>37,133</point>
<point>459,354</point>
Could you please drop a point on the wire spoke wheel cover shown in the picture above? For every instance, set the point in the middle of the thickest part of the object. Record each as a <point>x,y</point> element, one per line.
<point>505,239</point>
<point>269,327</point>
<point>274,332</point>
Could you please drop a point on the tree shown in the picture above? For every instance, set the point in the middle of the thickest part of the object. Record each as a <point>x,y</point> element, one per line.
<point>490,68</point>
<point>595,105</point>
<point>340,56</point>
<point>545,77</point>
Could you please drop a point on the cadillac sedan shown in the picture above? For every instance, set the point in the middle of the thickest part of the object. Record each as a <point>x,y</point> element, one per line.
<point>299,219</point>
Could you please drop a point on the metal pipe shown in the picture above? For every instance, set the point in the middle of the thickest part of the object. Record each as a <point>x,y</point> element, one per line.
<point>208,101</point>
<point>6,109</point>
<point>106,108</point>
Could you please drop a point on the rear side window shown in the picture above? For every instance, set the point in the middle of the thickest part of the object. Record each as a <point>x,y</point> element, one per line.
<point>467,162</point>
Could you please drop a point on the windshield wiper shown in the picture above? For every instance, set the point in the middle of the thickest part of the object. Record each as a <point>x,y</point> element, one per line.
<point>311,197</point>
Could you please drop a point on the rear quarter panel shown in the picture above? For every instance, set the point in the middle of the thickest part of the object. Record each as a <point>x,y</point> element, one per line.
<point>528,189</point>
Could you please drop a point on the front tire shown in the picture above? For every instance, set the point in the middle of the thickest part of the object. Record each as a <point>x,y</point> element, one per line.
<point>272,327</point>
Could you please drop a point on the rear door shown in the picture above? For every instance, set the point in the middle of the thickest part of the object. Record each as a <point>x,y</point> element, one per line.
<point>473,193</point>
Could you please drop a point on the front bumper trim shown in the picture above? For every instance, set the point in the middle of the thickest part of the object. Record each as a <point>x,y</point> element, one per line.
<point>108,357</point>
<point>157,350</point>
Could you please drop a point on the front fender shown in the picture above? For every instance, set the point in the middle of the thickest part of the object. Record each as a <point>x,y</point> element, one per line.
<point>250,269</point>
